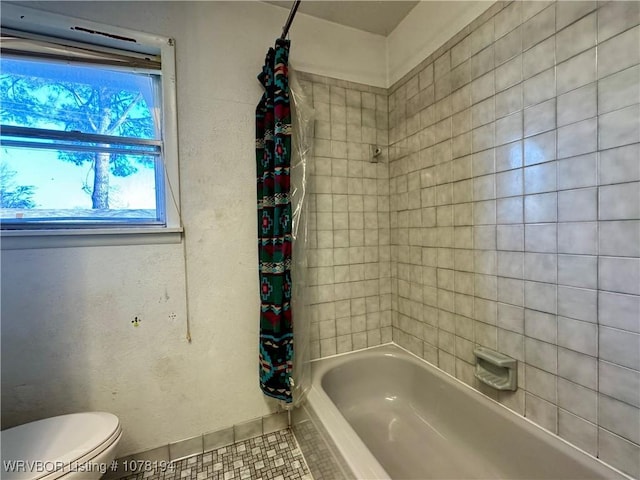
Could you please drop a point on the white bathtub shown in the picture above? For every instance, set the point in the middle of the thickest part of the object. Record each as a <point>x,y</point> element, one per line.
<point>385,413</point>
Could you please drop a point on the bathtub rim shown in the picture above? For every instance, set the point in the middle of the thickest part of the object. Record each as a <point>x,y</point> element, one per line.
<point>345,437</point>
<point>360,460</point>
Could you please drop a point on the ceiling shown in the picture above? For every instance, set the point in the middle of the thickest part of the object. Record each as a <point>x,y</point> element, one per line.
<point>379,17</point>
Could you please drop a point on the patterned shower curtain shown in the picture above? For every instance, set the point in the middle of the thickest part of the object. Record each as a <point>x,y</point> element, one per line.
<point>273,159</point>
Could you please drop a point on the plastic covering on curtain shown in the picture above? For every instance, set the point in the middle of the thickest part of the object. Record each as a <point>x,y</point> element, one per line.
<point>273,160</point>
<point>303,121</point>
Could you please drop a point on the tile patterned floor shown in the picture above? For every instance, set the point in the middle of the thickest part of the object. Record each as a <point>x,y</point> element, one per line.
<point>274,456</point>
<point>322,463</point>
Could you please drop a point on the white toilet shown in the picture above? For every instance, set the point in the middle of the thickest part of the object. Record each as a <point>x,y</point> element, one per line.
<point>70,447</point>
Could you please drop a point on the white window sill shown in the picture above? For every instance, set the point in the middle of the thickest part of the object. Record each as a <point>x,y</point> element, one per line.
<point>30,239</point>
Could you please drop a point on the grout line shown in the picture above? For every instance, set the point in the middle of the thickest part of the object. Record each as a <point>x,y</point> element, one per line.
<point>597,452</point>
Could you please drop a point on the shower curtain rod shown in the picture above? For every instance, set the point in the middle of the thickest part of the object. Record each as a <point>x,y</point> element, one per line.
<point>292,13</point>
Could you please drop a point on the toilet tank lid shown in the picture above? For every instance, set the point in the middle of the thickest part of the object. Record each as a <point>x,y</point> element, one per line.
<point>65,438</point>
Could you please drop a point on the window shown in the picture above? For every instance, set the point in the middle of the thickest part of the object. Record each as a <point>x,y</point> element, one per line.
<point>88,134</point>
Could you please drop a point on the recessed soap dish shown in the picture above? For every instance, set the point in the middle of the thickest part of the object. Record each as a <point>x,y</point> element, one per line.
<point>496,369</point>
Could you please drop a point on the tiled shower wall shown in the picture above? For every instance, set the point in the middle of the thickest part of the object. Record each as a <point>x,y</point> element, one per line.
<point>515,206</point>
<point>505,213</point>
<point>349,249</point>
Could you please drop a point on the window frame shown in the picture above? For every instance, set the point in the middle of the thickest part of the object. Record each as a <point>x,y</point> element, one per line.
<point>66,30</point>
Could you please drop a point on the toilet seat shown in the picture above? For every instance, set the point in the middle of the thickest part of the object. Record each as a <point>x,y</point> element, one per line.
<point>89,457</point>
<point>68,442</point>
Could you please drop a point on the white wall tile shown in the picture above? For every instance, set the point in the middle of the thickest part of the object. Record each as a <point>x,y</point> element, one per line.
<point>541,267</point>
<point>618,451</point>
<point>576,38</point>
<point>541,326</point>
<point>510,237</point>
<point>619,90</point>
<point>620,238</point>
<point>509,183</point>
<point>510,264</point>
<point>577,138</point>
<point>511,317</point>
<point>509,101</point>
<point>578,303</point>
<point>540,87</point>
<point>578,400</point>
<point>541,296</point>
<point>540,178</point>
<point>541,238</point>
<point>541,412</point>
<point>541,355</point>
<point>578,368</point>
<point>541,208</point>
<point>510,291</point>
<point>540,118</point>
<point>578,238</point>
<point>620,202</point>
<point>507,19</point>
<point>578,336</point>
<point>576,430</point>
<point>619,52</point>
<point>541,384</point>
<point>509,156</point>
<point>540,148</point>
<point>511,344</point>
<point>620,127</point>
<point>577,172</point>
<point>619,311</point>
<point>577,71</point>
<point>483,163</point>
<point>618,417</point>
<point>508,46</point>
<point>539,58</point>
<point>578,271</point>
<point>530,9</point>
<point>620,165</point>
<point>509,73</point>
<point>620,347</point>
<point>619,274</point>
<point>509,128</point>
<point>510,210</point>
<point>569,12</point>
<point>617,17</point>
<point>619,382</point>
<point>578,104</point>
<point>539,27</point>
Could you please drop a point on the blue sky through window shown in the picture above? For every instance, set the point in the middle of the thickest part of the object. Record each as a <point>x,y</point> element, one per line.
<point>85,99</point>
<point>59,184</point>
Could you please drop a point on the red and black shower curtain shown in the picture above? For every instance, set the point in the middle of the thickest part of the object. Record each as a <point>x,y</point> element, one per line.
<point>273,159</point>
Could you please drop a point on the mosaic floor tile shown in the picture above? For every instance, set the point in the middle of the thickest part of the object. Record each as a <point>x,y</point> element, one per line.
<point>274,456</point>
<point>320,461</point>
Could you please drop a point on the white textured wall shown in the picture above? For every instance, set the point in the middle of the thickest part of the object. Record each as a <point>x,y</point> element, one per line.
<point>329,49</point>
<point>428,26</point>
<point>67,341</point>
